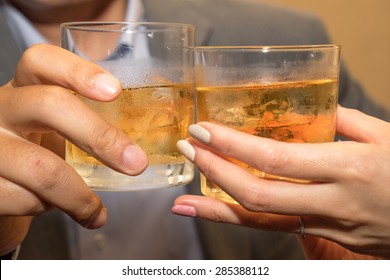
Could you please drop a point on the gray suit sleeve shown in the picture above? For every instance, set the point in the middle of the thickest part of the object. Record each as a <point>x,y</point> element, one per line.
<point>352,95</point>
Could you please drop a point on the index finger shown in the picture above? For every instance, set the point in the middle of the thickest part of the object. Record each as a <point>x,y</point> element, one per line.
<point>49,65</point>
<point>254,193</point>
<point>316,161</point>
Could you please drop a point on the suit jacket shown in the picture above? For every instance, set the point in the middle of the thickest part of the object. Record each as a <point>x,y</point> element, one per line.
<point>217,22</point>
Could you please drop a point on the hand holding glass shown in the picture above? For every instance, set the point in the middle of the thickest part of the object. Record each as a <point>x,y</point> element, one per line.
<point>154,62</point>
<point>284,93</point>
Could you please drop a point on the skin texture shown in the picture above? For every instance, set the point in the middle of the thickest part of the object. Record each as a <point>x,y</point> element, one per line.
<point>35,118</point>
<point>35,104</point>
<point>346,202</point>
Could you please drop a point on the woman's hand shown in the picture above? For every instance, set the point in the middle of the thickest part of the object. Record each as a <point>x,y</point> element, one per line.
<point>347,201</point>
<point>35,107</point>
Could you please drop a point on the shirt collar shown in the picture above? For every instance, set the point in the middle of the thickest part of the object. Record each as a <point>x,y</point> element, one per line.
<point>26,32</point>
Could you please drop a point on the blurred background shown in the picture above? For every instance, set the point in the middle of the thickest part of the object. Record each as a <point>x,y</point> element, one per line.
<point>362,28</point>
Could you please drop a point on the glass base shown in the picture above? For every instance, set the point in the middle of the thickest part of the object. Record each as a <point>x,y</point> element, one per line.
<point>209,189</point>
<point>103,178</point>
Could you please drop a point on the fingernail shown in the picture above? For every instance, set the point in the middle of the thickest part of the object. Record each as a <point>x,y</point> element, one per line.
<point>99,221</point>
<point>200,133</point>
<point>186,149</point>
<point>184,210</point>
<point>106,85</point>
<point>135,159</point>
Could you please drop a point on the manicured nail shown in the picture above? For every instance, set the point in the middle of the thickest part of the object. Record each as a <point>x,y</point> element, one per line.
<point>186,149</point>
<point>200,133</point>
<point>107,86</point>
<point>99,221</point>
<point>184,210</point>
<point>135,159</point>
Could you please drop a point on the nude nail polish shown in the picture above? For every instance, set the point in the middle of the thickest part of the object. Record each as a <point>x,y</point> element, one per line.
<point>199,133</point>
<point>186,149</point>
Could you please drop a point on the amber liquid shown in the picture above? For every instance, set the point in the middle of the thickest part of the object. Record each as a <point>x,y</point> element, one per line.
<point>155,117</point>
<point>291,112</point>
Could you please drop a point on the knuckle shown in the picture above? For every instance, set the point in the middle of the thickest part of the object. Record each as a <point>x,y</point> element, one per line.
<point>106,139</point>
<point>90,209</point>
<point>255,198</point>
<point>81,71</point>
<point>49,101</point>
<point>217,216</point>
<point>274,161</point>
<point>226,148</point>
<point>51,96</point>
<point>32,55</point>
<point>361,165</point>
<point>50,173</point>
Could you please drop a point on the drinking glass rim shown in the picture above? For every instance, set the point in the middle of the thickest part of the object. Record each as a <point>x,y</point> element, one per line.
<point>98,26</point>
<point>271,48</point>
